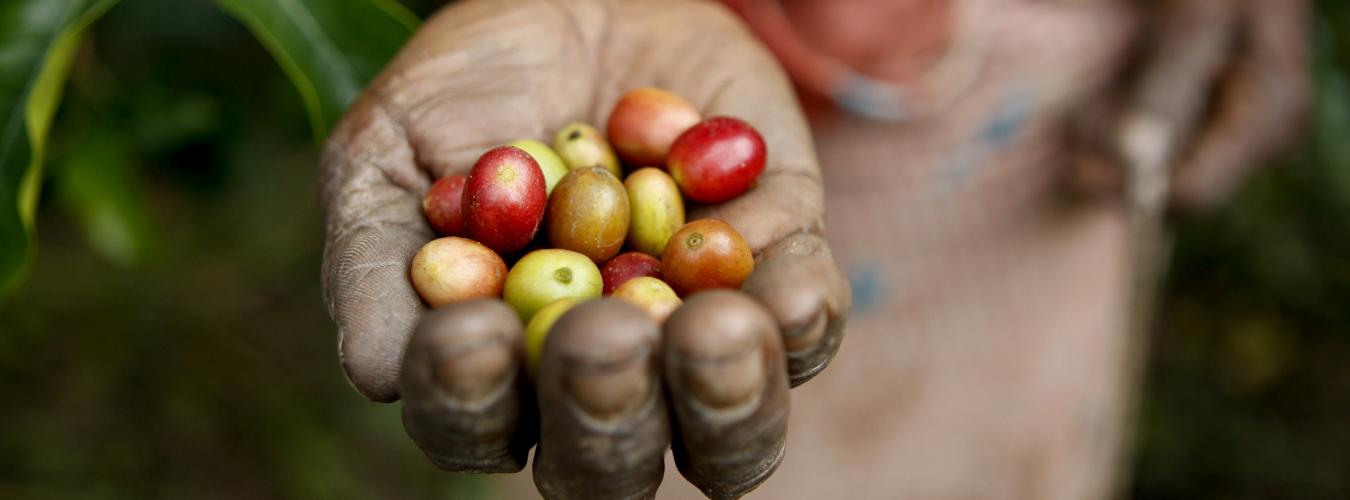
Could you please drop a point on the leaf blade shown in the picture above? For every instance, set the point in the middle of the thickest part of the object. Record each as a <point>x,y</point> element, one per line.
<point>38,39</point>
<point>329,49</point>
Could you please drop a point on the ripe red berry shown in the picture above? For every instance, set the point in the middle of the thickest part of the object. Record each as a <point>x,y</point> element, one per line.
<point>443,205</point>
<point>717,160</point>
<point>626,266</point>
<point>504,199</point>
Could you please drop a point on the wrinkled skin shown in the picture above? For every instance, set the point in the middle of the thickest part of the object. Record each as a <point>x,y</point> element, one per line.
<point>482,73</point>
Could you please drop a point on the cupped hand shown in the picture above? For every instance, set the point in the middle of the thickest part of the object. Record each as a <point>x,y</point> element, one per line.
<point>1221,86</point>
<point>614,391</point>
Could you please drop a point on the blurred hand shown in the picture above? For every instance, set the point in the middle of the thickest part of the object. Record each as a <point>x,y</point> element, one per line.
<point>482,73</point>
<point>1222,86</point>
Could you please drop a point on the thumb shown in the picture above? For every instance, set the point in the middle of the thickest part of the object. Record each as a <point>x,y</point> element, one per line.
<point>371,189</point>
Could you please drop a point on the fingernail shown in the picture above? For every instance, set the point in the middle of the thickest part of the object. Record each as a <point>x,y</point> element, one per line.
<point>472,372</point>
<point>728,380</point>
<point>610,389</point>
<point>805,336</point>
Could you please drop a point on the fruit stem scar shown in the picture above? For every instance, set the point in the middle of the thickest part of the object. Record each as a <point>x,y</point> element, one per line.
<point>507,173</point>
<point>563,275</point>
<point>693,240</point>
<point>576,134</point>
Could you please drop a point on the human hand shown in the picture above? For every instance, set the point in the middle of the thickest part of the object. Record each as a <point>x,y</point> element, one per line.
<point>1222,86</point>
<point>482,73</point>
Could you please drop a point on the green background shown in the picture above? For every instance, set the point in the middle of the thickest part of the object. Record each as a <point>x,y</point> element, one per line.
<point>170,342</point>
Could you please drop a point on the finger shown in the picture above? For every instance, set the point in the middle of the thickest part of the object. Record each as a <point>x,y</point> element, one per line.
<point>1093,170</point>
<point>371,192</point>
<point>808,298</point>
<point>604,427</point>
<point>1192,49</point>
<point>723,365</point>
<point>1260,104</point>
<point>465,403</point>
<point>707,56</point>
<point>1190,43</point>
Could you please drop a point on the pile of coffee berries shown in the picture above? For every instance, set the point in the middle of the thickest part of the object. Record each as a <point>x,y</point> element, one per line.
<point>590,212</point>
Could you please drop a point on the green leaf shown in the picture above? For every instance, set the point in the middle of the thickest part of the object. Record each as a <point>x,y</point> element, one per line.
<point>97,182</point>
<point>330,49</point>
<point>38,39</point>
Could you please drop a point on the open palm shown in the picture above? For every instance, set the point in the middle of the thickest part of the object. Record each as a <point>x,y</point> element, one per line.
<point>483,73</point>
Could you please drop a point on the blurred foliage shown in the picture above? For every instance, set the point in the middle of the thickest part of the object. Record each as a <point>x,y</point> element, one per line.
<point>37,41</point>
<point>1249,386</point>
<point>191,356</point>
<point>188,354</point>
<point>329,48</point>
